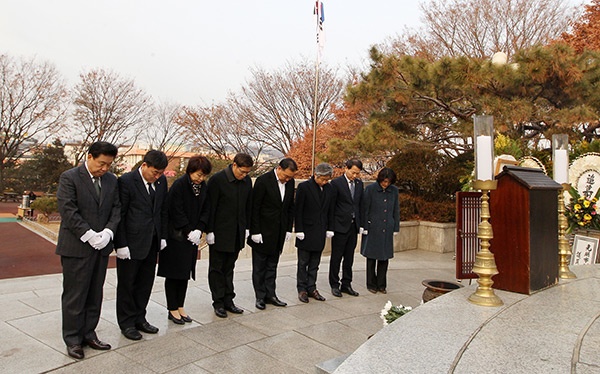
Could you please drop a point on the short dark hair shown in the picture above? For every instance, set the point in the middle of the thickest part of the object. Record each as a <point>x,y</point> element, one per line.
<point>103,148</point>
<point>243,160</point>
<point>288,164</point>
<point>156,159</point>
<point>198,162</point>
<point>386,173</point>
<point>354,162</point>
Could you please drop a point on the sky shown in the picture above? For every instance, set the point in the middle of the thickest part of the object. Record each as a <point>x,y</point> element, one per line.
<point>193,52</point>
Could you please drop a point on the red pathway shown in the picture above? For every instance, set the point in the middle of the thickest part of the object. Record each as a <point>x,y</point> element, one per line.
<point>24,253</point>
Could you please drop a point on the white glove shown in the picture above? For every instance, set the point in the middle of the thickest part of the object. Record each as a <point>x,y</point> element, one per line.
<point>105,238</point>
<point>194,236</point>
<point>329,234</point>
<point>365,232</point>
<point>288,236</point>
<point>247,234</point>
<point>300,235</point>
<point>395,233</point>
<point>257,238</point>
<point>360,231</point>
<point>163,244</point>
<point>96,240</point>
<point>210,238</point>
<point>123,253</point>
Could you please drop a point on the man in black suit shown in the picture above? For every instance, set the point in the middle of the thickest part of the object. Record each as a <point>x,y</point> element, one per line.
<point>88,202</point>
<point>312,206</point>
<point>141,234</point>
<point>228,228</point>
<point>347,191</point>
<point>271,226</point>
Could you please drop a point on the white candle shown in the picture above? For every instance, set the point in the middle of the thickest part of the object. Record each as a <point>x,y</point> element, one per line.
<point>484,157</point>
<point>561,166</point>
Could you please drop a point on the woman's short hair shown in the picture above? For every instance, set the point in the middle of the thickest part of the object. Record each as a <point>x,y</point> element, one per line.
<point>198,162</point>
<point>386,173</point>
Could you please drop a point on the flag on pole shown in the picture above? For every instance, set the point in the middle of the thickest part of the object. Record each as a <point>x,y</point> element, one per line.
<point>320,15</point>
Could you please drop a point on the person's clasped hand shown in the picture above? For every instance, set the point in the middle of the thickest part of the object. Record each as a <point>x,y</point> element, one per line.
<point>163,244</point>
<point>123,253</point>
<point>329,234</point>
<point>210,238</point>
<point>257,238</point>
<point>300,235</point>
<point>194,236</point>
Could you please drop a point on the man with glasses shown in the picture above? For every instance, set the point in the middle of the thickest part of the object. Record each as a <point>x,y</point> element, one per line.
<point>312,207</point>
<point>141,235</point>
<point>228,226</point>
<point>270,227</point>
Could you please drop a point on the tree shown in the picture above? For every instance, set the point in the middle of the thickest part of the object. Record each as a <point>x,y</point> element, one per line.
<point>42,172</point>
<point>279,106</point>
<point>32,107</point>
<point>585,32</point>
<point>108,108</point>
<point>163,132</point>
<point>218,131</point>
<point>480,28</point>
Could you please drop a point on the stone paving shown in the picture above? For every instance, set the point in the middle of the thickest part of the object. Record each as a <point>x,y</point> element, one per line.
<point>293,339</point>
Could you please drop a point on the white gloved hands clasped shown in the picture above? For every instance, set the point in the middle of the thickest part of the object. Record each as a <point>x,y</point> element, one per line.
<point>194,236</point>
<point>256,238</point>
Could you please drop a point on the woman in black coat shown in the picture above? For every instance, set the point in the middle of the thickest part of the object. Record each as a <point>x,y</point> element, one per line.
<point>188,208</point>
<point>381,221</point>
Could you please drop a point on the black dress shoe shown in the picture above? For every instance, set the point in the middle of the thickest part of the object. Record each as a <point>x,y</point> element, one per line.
<point>349,291</point>
<point>97,344</point>
<point>303,296</point>
<point>316,295</point>
<point>146,327</point>
<point>260,304</point>
<point>275,301</point>
<point>187,319</point>
<point>177,321</point>
<point>220,312</point>
<point>372,290</point>
<point>75,351</point>
<point>336,292</point>
<point>131,333</point>
<point>234,309</point>
<point>382,290</point>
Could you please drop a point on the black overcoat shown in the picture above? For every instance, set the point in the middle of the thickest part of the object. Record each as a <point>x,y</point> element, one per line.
<point>312,209</point>
<point>271,217</point>
<point>186,212</point>
<point>230,207</point>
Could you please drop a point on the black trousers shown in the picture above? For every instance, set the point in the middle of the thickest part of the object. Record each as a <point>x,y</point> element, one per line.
<point>342,249</point>
<point>264,274</point>
<point>377,274</point>
<point>308,266</point>
<point>135,279</point>
<point>220,277</point>
<point>83,279</point>
<point>175,291</point>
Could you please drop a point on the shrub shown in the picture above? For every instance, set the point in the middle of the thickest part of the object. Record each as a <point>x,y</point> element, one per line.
<point>45,205</point>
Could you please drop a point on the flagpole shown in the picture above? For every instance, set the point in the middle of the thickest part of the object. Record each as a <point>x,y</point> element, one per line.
<point>320,18</point>
<point>314,139</point>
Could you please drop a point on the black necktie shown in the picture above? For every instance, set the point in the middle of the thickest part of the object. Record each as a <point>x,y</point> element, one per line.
<point>97,186</point>
<point>152,193</point>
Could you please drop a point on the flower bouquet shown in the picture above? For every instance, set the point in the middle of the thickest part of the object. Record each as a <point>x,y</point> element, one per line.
<point>582,212</point>
<point>390,312</point>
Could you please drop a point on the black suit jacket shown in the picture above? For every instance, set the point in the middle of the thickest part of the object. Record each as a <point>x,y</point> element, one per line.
<point>343,206</point>
<point>271,217</point>
<point>230,208</point>
<point>81,209</point>
<point>312,207</point>
<point>139,218</point>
